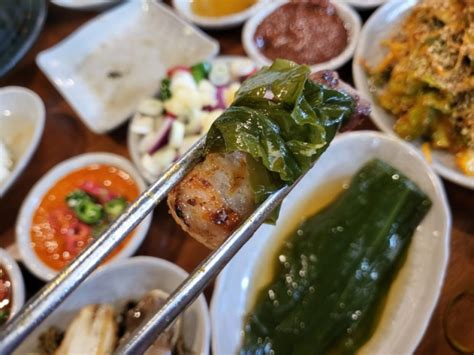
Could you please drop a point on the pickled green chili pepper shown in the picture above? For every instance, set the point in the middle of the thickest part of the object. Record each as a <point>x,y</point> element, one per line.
<point>89,212</point>
<point>115,207</point>
<point>75,197</point>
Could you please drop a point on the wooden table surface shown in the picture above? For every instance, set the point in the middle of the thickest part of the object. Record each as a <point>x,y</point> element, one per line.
<point>66,136</point>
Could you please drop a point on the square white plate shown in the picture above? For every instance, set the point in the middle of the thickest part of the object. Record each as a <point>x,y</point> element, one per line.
<point>109,64</point>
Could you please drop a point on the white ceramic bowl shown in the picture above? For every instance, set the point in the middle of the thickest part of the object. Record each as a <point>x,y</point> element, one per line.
<point>348,15</point>
<point>133,139</point>
<point>113,61</point>
<point>364,4</point>
<point>22,117</point>
<point>86,5</point>
<point>381,25</point>
<point>18,285</point>
<point>34,197</point>
<point>127,280</point>
<point>183,8</point>
<point>413,294</point>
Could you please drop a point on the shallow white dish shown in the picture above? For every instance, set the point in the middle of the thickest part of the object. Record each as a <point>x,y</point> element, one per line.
<point>183,8</point>
<point>18,285</point>
<point>126,280</point>
<point>86,4</point>
<point>22,117</point>
<point>364,4</point>
<point>34,197</point>
<point>109,64</point>
<point>133,139</point>
<point>415,291</point>
<point>348,15</point>
<point>381,25</point>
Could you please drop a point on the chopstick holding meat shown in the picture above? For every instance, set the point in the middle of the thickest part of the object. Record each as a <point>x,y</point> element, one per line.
<point>282,120</point>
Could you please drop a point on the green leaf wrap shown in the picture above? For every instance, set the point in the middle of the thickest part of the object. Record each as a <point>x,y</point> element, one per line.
<point>283,120</point>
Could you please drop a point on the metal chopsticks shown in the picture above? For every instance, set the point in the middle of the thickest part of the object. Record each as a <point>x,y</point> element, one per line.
<point>190,289</point>
<point>56,291</point>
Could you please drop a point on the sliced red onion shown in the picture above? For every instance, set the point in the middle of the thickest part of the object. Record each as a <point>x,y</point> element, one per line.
<point>162,135</point>
<point>220,97</point>
<point>100,193</point>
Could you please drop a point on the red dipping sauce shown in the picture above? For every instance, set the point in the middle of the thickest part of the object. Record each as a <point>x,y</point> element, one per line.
<point>306,32</point>
<point>6,295</point>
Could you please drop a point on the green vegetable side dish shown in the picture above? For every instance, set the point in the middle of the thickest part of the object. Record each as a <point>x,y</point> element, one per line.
<point>283,120</point>
<point>333,273</point>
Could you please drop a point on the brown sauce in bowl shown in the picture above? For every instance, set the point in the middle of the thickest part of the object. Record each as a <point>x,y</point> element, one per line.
<point>306,32</point>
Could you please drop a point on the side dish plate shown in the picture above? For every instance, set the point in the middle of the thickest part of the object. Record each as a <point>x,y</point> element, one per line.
<point>108,65</point>
<point>381,25</point>
<point>413,294</point>
<point>34,197</point>
<point>127,280</point>
<point>348,15</point>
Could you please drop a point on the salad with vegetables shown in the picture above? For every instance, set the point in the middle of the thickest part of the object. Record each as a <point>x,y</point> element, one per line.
<point>188,102</point>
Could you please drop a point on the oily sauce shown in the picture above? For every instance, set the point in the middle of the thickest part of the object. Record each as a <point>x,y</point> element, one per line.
<point>6,295</point>
<point>305,32</point>
<point>53,215</point>
<point>216,8</point>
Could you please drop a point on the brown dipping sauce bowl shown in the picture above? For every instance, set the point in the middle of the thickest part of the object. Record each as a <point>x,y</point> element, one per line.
<point>319,33</point>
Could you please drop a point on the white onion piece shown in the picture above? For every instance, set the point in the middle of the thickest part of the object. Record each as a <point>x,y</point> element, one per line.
<point>220,74</point>
<point>150,107</point>
<point>142,124</point>
<point>177,134</point>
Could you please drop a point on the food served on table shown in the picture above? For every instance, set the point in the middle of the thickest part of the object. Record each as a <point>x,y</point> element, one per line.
<point>306,32</point>
<point>217,8</point>
<point>99,329</point>
<point>77,209</point>
<point>6,295</point>
<point>189,100</point>
<point>6,163</point>
<point>426,80</point>
<point>277,126</point>
<point>330,277</point>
